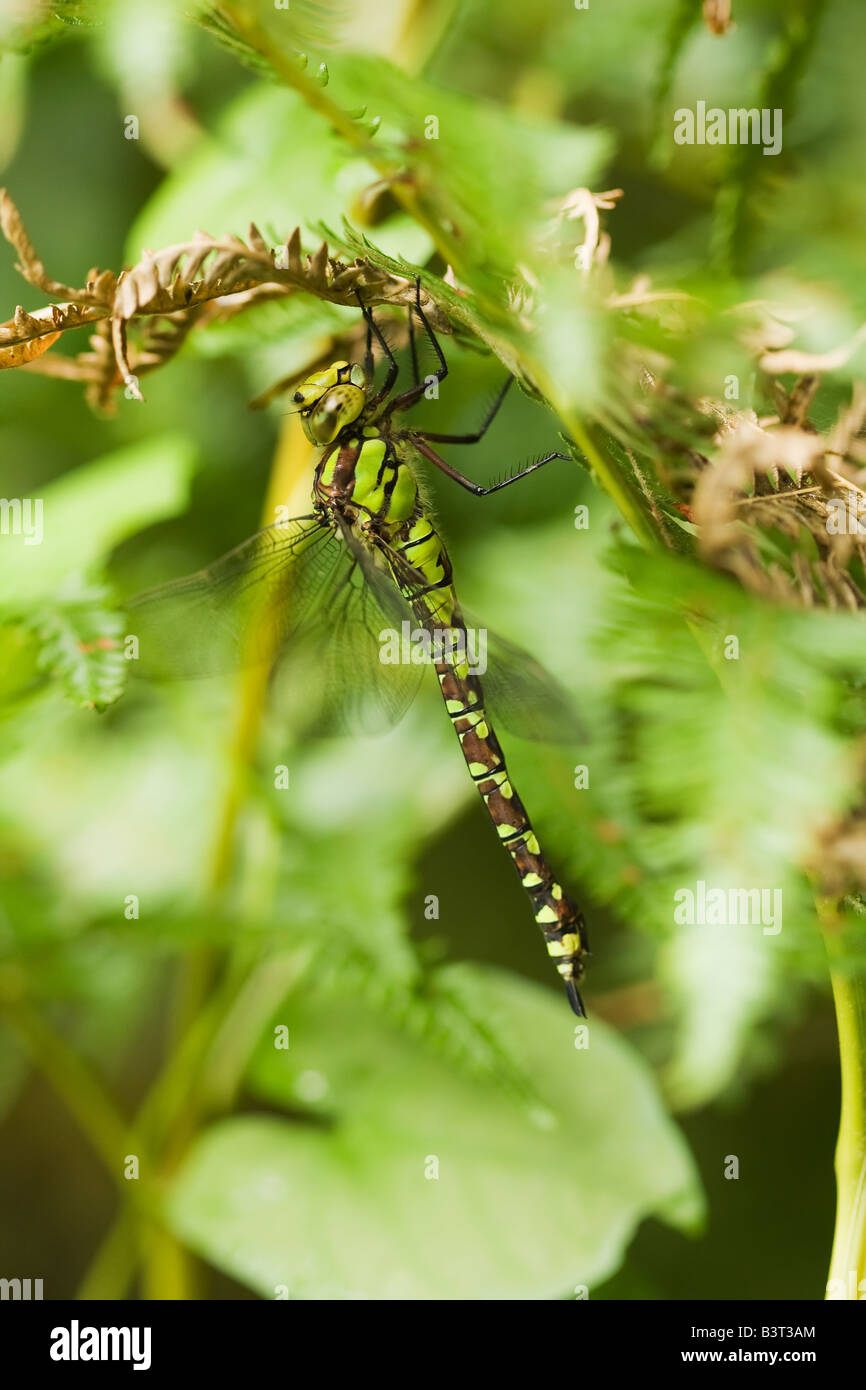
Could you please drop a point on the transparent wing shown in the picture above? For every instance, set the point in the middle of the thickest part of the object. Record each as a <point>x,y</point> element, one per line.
<point>301,598</point>
<point>241,609</point>
<point>342,662</point>
<point>522,696</point>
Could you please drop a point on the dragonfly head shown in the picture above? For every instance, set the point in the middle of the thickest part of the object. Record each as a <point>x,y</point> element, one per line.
<point>329,400</point>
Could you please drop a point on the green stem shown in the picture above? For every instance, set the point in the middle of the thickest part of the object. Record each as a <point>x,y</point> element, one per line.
<point>174,1109</point>
<point>111,1138</point>
<point>350,129</point>
<point>632,504</point>
<point>241,1026</point>
<point>847,1276</point>
<point>112,1269</point>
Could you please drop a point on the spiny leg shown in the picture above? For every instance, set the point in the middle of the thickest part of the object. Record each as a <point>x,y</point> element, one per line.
<point>393,369</point>
<point>413,349</point>
<point>408,398</point>
<point>369,366</point>
<point>479,433</point>
<point>475,488</point>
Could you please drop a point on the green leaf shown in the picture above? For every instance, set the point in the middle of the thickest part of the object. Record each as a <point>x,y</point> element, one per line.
<point>85,514</point>
<point>721,770</point>
<point>295,27</point>
<point>82,646</point>
<point>25,27</point>
<point>271,161</point>
<point>457,150</point>
<point>528,1201</point>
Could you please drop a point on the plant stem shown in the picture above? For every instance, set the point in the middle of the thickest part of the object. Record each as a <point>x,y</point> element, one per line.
<point>619,488</point>
<point>632,503</point>
<point>351,130</point>
<point>112,1269</point>
<point>174,1106</point>
<point>83,1094</point>
<point>112,1139</point>
<point>847,1276</point>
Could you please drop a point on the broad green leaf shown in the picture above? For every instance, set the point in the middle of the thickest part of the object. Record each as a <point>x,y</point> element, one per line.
<point>424,1184</point>
<point>272,161</point>
<point>77,521</point>
<point>458,149</point>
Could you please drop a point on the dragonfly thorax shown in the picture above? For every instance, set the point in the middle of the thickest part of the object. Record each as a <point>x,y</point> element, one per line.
<point>330,400</point>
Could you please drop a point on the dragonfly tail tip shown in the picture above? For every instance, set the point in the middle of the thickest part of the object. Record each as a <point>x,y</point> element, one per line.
<point>574,999</point>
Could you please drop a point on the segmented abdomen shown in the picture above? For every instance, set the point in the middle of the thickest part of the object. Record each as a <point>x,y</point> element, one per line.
<point>561,923</point>
<point>434,603</point>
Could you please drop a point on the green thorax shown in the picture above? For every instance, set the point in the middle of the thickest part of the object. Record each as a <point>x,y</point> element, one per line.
<point>368,481</point>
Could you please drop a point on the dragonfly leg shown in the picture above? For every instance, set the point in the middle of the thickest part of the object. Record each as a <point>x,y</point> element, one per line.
<point>373,327</point>
<point>475,488</point>
<point>479,433</point>
<point>408,398</point>
<point>413,349</point>
<point>368,351</point>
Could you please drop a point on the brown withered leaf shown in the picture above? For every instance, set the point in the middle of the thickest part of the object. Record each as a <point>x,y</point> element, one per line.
<point>22,353</point>
<point>170,292</point>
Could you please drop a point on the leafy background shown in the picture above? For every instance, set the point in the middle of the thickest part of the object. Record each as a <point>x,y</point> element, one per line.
<point>304,1170</point>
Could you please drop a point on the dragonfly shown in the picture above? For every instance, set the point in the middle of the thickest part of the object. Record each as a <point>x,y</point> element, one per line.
<point>366,563</point>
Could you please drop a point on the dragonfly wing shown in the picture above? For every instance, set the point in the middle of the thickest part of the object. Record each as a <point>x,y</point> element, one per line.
<point>522,696</point>
<point>303,598</point>
<point>241,609</point>
<point>338,663</point>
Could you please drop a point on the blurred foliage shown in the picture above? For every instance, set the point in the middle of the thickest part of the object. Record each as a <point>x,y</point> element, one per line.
<point>164,908</point>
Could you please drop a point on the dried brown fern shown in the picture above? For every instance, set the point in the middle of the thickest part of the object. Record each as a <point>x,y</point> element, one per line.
<point>167,295</point>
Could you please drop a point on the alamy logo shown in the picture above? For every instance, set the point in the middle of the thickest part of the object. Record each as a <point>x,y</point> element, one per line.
<point>737,126</point>
<point>451,645</point>
<point>77,1343</point>
<point>846,517</point>
<point>22,516</point>
<point>729,907</point>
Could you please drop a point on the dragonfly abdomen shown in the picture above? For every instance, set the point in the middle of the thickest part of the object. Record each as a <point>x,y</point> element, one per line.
<point>561,923</point>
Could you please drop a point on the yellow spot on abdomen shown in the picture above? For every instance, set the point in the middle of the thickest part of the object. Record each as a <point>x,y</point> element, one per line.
<point>568,945</point>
